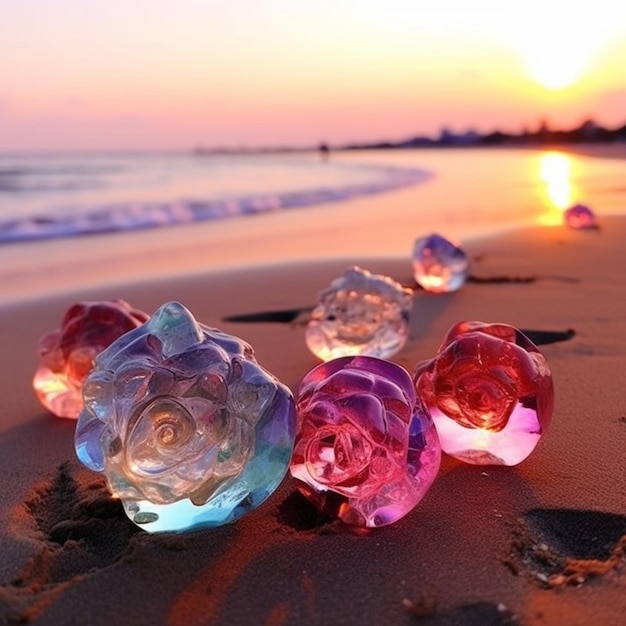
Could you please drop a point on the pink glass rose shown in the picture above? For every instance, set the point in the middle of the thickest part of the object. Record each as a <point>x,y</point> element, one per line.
<point>580,217</point>
<point>489,391</point>
<point>365,449</point>
<point>67,354</point>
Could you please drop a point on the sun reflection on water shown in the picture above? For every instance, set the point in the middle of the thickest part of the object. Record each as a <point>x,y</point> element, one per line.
<point>555,172</point>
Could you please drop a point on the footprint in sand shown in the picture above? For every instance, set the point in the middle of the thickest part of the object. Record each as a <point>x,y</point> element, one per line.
<point>80,530</point>
<point>483,613</point>
<point>561,547</point>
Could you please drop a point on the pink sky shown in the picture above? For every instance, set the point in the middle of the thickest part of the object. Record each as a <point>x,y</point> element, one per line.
<point>143,74</point>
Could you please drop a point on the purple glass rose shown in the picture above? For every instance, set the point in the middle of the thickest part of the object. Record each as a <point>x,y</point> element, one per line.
<point>439,265</point>
<point>580,216</point>
<point>365,449</point>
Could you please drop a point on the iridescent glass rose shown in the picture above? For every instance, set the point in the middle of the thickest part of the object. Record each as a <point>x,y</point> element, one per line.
<point>67,354</point>
<point>439,265</point>
<point>365,449</point>
<point>189,430</point>
<point>489,391</point>
<point>360,313</point>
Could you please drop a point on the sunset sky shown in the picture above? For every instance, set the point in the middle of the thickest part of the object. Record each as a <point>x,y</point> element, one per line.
<point>157,74</point>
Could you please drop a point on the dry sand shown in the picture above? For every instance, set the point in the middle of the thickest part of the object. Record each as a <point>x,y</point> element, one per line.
<point>538,544</point>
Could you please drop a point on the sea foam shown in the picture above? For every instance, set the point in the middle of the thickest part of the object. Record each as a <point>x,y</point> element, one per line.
<point>69,212</point>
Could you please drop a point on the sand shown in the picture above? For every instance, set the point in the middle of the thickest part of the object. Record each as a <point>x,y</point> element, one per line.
<point>538,544</point>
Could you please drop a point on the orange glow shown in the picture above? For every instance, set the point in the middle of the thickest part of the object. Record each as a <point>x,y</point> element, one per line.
<point>555,171</point>
<point>436,282</point>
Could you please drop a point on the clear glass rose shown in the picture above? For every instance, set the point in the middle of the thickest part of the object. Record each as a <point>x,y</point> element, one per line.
<point>360,313</point>
<point>188,428</point>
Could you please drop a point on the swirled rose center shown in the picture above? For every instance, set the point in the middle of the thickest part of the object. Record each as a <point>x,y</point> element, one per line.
<point>338,454</point>
<point>483,399</point>
<point>172,431</point>
<point>159,433</point>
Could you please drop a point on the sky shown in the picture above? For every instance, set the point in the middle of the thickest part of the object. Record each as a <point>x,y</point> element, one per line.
<point>166,74</point>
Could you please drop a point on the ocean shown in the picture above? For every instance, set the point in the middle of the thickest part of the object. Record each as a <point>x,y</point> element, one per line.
<point>44,197</point>
<point>74,222</point>
<point>469,191</point>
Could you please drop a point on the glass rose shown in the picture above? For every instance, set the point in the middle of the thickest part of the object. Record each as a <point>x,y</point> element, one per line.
<point>360,313</point>
<point>489,391</point>
<point>67,354</point>
<point>580,216</point>
<point>439,266</point>
<point>188,428</point>
<point>365,449</point>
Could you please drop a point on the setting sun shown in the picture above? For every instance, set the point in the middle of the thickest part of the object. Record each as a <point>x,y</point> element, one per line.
<point>558,49</point>
<point>555,68</point>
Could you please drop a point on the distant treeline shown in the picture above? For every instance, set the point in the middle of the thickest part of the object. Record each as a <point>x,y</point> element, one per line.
<point>587,132</point>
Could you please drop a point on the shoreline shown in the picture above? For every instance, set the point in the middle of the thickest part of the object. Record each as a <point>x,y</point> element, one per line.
<point>459,202</point>
<point>615,150</point>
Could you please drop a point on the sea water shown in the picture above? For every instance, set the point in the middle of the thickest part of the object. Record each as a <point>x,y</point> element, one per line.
<point>469,191</point>
<point>270,209</point>
<point>69,195</point>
